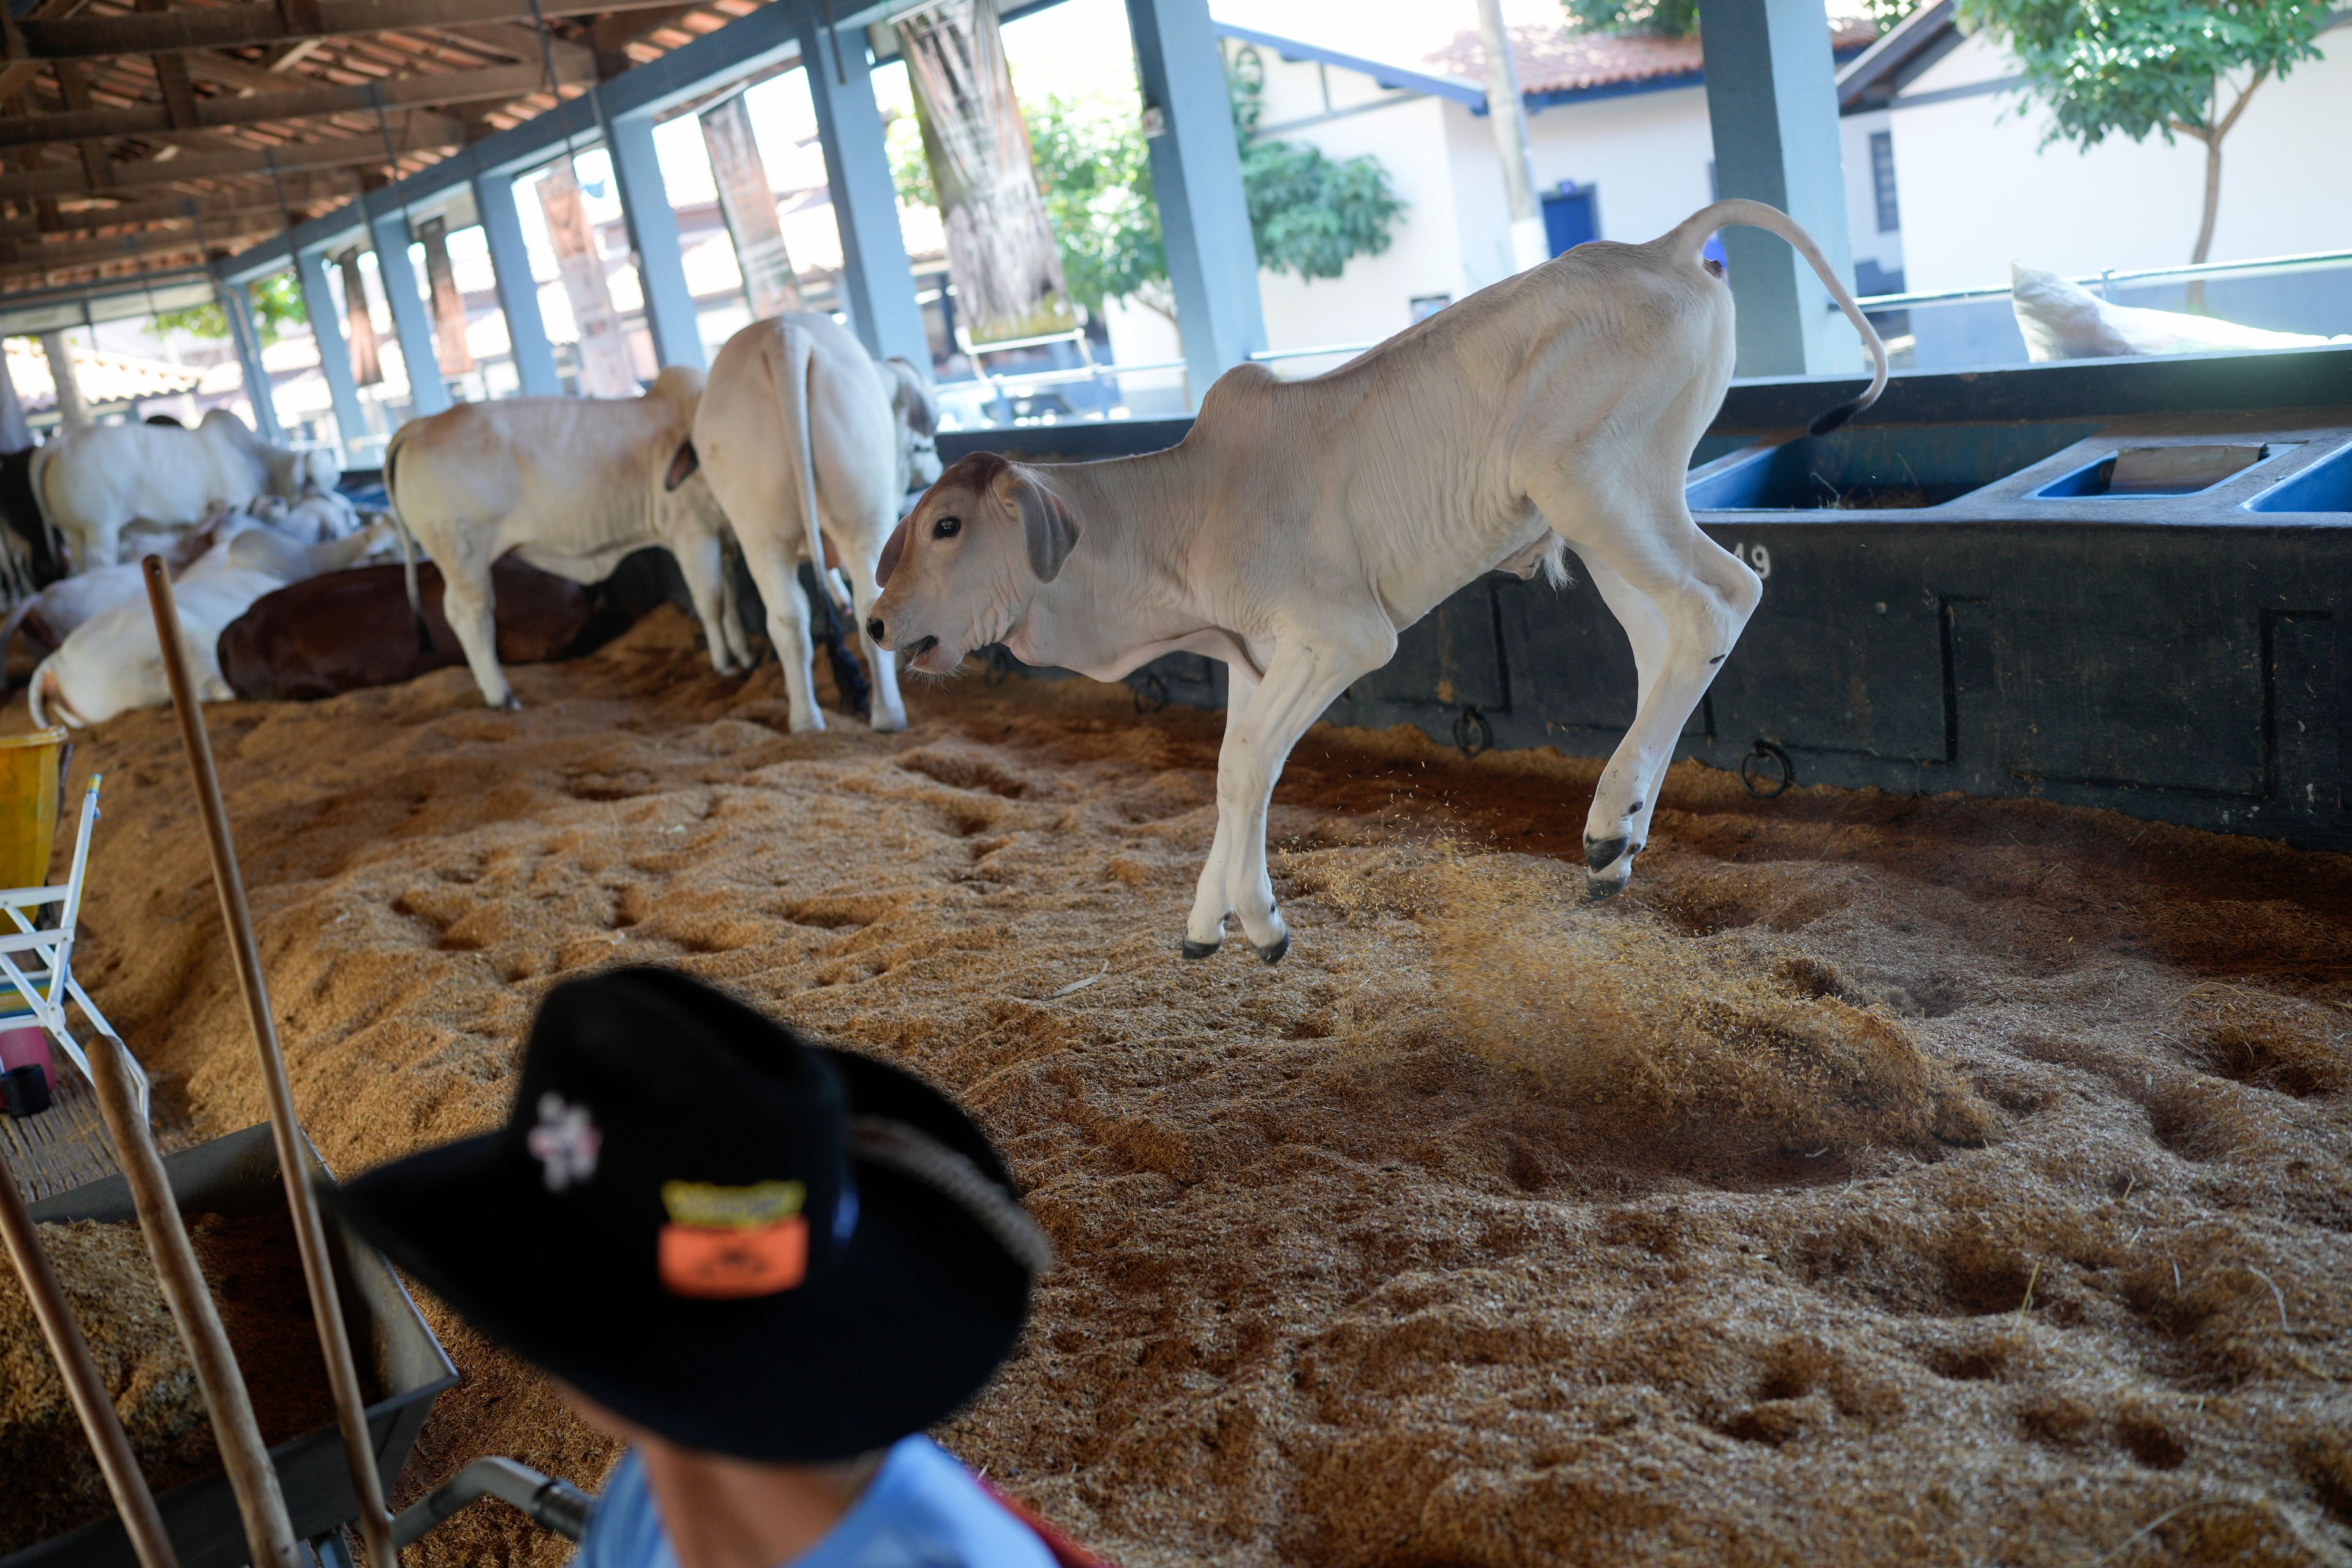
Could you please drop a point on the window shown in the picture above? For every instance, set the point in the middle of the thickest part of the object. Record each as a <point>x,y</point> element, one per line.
<point>1427,305</point>
<point>1882,180</point>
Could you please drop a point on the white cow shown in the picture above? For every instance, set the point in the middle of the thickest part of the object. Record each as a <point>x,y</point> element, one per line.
<point>2061,319</point>
<point>806,440</point>
<point>317,517</point>
<point>93,481</point>
<point>570,485</point>
<point>112,663</point>
<point>1300,526</point>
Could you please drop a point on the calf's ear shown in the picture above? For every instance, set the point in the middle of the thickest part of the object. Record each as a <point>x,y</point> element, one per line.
<point>682,465</point>
<point>892,549</point>
<point>1049,530</point>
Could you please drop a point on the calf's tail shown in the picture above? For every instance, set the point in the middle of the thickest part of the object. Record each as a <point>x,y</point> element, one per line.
<point>1691,234</point>
<point>42,693</point>
<point>407,543</point>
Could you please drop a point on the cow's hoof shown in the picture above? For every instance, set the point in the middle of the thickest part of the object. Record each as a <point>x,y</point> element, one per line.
<point>1196,951</point>
<point>1600,854</point>
<point>1271,953</point>
<point>513,704</point>
<point>1599,887</point>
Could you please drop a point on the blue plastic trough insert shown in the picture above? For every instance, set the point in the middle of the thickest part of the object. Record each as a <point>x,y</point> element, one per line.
<point>2138,473</point>
<point>2325,486</point>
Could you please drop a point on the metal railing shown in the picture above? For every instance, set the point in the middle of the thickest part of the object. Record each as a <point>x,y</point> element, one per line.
<point>2107,280</point>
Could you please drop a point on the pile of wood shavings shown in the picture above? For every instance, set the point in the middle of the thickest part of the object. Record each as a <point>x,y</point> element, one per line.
<point>1881,1180</point>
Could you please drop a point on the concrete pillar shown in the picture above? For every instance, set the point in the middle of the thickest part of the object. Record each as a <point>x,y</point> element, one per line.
<point>875,277</point>
<point>1772,99</point>
<point>388,232</point>
<point>653,236</point>
<point>236,300</point>
<point>334,353</point>
<point>1196,172</point>
<point>494,202</point>
<point>73,411</point>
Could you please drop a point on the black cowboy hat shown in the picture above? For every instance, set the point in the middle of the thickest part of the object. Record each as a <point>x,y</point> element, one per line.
<point>746,1243</point>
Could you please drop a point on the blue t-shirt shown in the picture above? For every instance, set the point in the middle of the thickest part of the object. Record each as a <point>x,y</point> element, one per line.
<point>922,1510</point>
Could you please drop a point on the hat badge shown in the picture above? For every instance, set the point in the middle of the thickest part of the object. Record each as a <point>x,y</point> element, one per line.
<point>565,1143</point>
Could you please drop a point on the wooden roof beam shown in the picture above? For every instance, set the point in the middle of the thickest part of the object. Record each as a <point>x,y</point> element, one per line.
<point>341,152</point>
<point>264,25</point>
<point>497,82</point>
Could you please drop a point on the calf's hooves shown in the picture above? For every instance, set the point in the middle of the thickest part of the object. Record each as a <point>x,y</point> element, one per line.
<point>1271,953</point>
<point>1599,887</point>
<point>513,704</point>
<point>1194,951</point>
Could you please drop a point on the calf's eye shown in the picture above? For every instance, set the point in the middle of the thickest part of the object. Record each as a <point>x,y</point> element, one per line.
<point>947,528</point>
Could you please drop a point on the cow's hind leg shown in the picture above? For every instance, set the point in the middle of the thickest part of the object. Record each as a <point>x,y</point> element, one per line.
<point>776,570</point>
<point>1309,669</point>
<point>1704,596</point>
<point>702,561</point>
<point>1645,629</point>
<point>886,710</point>
<point>468,604</point>
<point>1210,904</point>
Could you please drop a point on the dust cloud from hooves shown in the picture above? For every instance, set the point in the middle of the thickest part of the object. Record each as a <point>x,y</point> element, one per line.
<point>1881,1181</point>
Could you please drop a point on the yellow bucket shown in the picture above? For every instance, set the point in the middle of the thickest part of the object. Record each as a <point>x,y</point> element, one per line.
<point>29,783</point>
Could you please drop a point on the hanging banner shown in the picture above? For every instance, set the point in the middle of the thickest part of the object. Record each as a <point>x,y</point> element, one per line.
<point>359,327</point>
<point>606,370</point>
<point>749,204</point>
<point>448,306</point>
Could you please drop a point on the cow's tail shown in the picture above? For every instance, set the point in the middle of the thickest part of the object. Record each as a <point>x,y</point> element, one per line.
<point>1691,234</point>
<point>42,693</point>
<point>407,542</point>
<point>790,353</point>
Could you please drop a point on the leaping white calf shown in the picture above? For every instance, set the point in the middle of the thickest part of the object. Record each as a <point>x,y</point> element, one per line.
<point>806,440</point>
<point>1301,525</point>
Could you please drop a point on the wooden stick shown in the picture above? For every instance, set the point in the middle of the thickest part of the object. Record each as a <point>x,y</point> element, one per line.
<point>286,1128</point>
<point>245,1458</point>
<point>133,1503</point>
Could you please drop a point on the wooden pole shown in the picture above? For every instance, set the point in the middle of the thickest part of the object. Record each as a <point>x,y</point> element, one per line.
<point>245,1458</point>
<point>286,1128</point>
<point>132,1501</point>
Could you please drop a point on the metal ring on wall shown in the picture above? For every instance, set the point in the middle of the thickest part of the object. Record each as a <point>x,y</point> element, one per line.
<point>1768,751</point>
<point>1472,733</point>
<point>1150,691</point>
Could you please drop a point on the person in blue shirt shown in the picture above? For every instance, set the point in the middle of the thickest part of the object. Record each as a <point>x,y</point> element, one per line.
<point>768,1266</point>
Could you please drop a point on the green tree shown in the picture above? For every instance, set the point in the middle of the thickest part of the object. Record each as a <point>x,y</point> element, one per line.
<point>2133,68</point>
<point>1309,213</point>
<point>276,302</point>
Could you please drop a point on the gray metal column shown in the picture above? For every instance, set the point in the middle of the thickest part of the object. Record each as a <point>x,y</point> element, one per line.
<point>334,353</point>
<point>237,300</point>
<point>877,279</point>
<point>1196,172</point>
<point>653,236</point>
<point>388,232</point>
<point>494,202</point>
<point>1771,98</point>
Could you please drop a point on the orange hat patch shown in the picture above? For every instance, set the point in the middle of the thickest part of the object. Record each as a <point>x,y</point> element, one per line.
<point>727,1243</point>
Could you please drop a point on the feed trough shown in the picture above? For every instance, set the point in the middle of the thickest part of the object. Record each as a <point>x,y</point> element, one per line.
<point>237,1175</point>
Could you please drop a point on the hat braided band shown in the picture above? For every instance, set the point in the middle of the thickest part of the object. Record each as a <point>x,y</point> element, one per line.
<point>897,1146</point>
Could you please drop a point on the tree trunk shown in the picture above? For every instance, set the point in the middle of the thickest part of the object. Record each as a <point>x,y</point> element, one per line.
<point>15,434</point>
<point>359,327</point>
<point>2197,257</point>
<point>73,412</point>
<point>1000,249</point>
<point>749,204</point>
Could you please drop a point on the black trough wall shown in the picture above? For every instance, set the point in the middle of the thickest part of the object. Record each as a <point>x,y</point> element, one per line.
<point>1929,622</point>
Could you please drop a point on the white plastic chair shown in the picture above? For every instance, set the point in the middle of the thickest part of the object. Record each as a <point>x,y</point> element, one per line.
<point>36,963</point>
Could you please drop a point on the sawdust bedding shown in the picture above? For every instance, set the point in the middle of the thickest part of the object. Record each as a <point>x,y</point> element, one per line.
<point>1881,1180</point>
<point>255,1276</point>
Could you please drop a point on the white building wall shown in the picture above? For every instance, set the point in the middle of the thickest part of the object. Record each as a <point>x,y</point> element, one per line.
<point>1978,188</point>
<point>1646,153</point>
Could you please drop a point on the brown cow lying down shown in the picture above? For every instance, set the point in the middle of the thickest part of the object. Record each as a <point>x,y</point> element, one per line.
<point>345,630</point>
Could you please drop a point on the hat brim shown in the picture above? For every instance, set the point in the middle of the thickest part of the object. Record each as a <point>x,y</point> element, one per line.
<point>908,1323</point>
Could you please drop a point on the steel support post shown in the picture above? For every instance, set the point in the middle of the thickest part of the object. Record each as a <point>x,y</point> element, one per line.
<point>334,353</point>
<point>878,283</point>
<point>494,202</point>
<point>1196,173</point>
<point>1772,99</point>
<point>236,300</point>
<point>653,236</point>
<point>388,231</point>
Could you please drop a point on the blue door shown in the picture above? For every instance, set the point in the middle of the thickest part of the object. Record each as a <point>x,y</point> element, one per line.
<point>1568,218</point>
